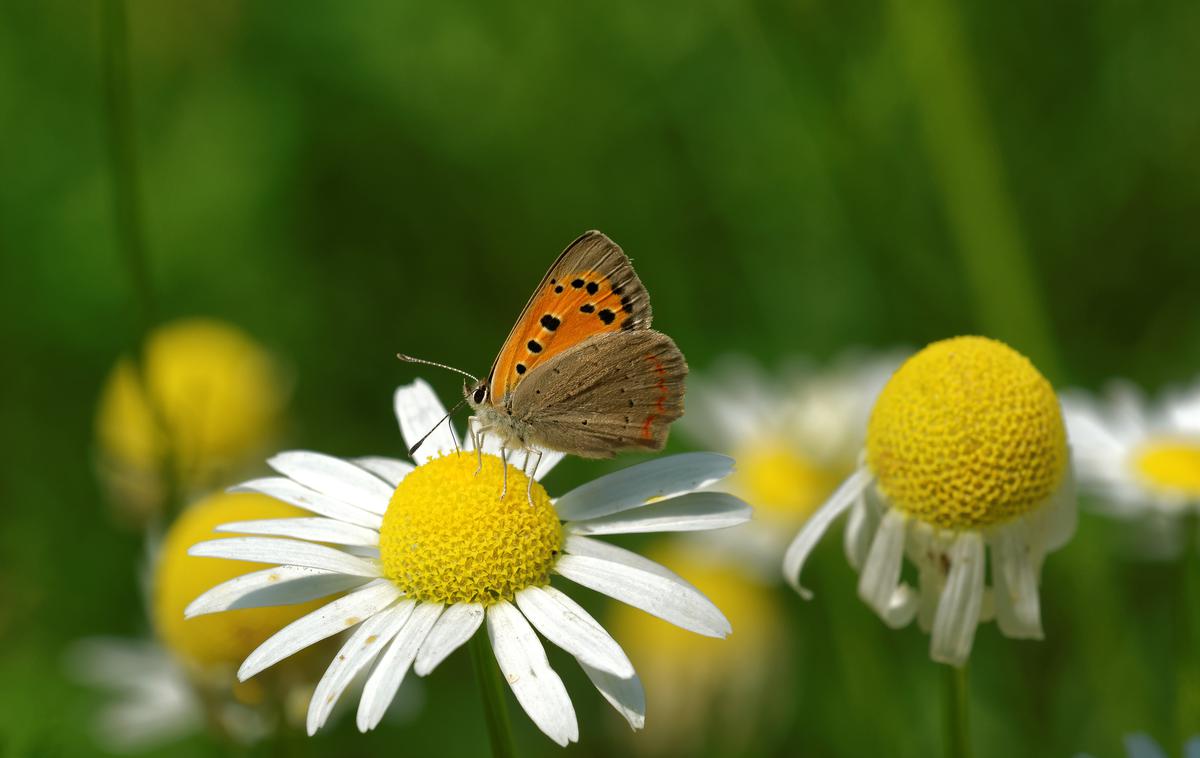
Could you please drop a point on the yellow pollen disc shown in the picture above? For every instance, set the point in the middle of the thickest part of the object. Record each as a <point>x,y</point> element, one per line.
<point>781,482</point>
<point>218,639</point>
<point>448,537</point>
<point>1170,466</point>
<point>967,434</point>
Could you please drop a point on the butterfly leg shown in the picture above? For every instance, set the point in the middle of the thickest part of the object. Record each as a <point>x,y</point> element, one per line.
<point>504,466</point>
<point>532,474</point>
<point>477,440</point>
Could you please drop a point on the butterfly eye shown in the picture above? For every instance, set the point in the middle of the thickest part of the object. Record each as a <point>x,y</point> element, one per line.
<point>478,394</point>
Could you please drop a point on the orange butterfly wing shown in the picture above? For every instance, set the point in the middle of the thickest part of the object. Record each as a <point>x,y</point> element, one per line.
<point>591,289</point>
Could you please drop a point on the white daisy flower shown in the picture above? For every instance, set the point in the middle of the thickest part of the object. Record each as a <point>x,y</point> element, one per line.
<point>795,436</point>
<point>1141,459</point>
<point>435,552</point>
<point>965,450</point>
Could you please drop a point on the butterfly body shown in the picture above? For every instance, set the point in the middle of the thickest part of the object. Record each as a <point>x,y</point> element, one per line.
<point>582,372</point>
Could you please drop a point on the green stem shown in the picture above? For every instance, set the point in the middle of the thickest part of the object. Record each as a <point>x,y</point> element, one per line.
<point>968,168</point>
<point>958,728</point>
<point>127,212</point>
<point>495,710</point>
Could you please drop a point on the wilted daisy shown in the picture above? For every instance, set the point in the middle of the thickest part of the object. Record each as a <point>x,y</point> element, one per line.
<point>1140,459</point>
<point>217,394</point>
<point>434,552</point>
<point>718,697</point>
<point>795,435</point>
<point>965,450</point>
<point>175,683</point>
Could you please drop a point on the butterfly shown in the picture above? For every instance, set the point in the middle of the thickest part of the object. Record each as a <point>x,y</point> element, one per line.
<point>582,372</point>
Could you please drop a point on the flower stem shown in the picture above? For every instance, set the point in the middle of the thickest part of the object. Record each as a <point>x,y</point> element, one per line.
<point>495,710</point>
<point>969,170</point>
<point>958,729</point>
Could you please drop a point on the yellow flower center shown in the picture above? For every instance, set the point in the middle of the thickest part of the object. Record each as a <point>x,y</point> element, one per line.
<point>967,434</point>
<point>219,639</point>
<point>1170,466</point>
<point>449,537</point>
<point>781,482</point>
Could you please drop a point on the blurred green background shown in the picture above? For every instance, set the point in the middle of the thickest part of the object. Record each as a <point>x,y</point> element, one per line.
<point>349,180</point>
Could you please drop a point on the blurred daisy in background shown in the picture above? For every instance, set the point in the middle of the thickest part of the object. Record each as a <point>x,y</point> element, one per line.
<point>182,680</point>
<point>435,552</point>
<point>1140,460</point>
<point>218,395</point>
<point>795,436</point>
<point>965,451</point>
<point>1140,745</point>
<point>709,696</point>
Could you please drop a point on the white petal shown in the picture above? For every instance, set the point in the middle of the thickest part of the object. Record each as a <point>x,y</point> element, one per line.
<point>389,673</point>
<point>661,478</point>
<point>390,470</point>
<point>695,511</point>
<point>859,531</point>
<point>419,412</point>
<point>1014,573</point>
<point>452,630</point>
<point>285,553</point>
<point>523,663</point>
<point>680,604</point>
<point>326,621</point>
<point>1055,522</point>
<point>300,496</point>
<point>817,524</point>
<point>563,622</point>
<point>280,585</point>
<point>626,695</point>
<point>1141,745</point>
<point>592,548</point>
<point>880,579</point>
<point>363,647</point>
<point>312,529</point>
<point>334,477</point>
<point>959,607</point>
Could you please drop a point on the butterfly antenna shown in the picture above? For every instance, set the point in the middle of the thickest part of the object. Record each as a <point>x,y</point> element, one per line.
<point>412,450</point>
<point>422,361</point>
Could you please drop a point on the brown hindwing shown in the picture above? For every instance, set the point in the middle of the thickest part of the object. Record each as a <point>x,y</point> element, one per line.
<point>591,289</point>
<point>612,392</point>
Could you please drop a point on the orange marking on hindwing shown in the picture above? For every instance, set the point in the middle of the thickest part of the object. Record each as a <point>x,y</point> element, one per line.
<point>565,312</point>
<point>660,403</point>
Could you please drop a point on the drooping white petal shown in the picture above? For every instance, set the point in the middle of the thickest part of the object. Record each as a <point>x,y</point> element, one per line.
<point>1014,574</point>
<point>452,630</point>
<point>859,531</point>
<point>363,647</point>
<point>1055,522</point>
<point>326,621</point>
<point>285,553</point>
<point>661,478</point>
<point>626,695</point>
<point>523,663</point>
<point>880,578</point>
<point>393,666</point>
<point>695,511</point>
<point>390,470</point>
<point>419,412</point>
<point>592,548</point>
<point>958,609</point>
<point>312,529</point>
<point>300,496</point>
<point>279,585</point>
<point>926,550</point>
<point>681,604</point>
<point>334,477</point>
<point>562,621</point>
<point>817,524</point>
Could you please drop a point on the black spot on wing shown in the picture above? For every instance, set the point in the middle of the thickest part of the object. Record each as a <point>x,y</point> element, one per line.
<point>550,323</point>
<point>534,346</point>
<point>587,308</point>
<point>558,290</point>
<point>607,316</point>
<point>577,283</point>
<point>520,368</point>
<point>592,288</point>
